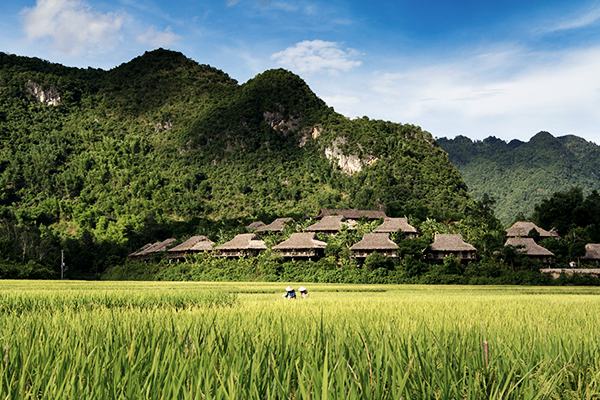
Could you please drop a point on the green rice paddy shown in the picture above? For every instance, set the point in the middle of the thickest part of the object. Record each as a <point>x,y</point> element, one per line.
<point>154,340</point>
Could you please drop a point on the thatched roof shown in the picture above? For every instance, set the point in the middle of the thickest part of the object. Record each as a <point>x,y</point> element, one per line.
<point>144,247</point>
<point>592,251</point>
<point>275,226</point>
<point>255,225</point>
<point>444,242</point>
<point>351,214</point>
<point>392,225</point>
<point>331,223</point>
<point>522,228</point>
<point>195,243</point>
<point>152,248</point>
<point>375,241</point>
<point>244,241</point>
<point>307,240</point>
<point>530,247</point>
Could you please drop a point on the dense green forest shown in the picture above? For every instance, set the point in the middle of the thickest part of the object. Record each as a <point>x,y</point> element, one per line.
<point>519,175</point>
<point>98,163</point>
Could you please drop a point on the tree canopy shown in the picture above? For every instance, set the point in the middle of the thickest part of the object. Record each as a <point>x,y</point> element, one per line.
<point>518,174</point>
<point>163,146</point>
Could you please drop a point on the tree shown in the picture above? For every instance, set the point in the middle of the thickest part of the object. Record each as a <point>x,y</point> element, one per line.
<point>562,211</point>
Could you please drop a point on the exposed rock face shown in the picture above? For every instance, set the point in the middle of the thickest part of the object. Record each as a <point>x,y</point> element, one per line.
<point>313,132</point>
<point>275,119</point>
<point>49,97</point>
<point>350,164</point>
<point>316,131</point>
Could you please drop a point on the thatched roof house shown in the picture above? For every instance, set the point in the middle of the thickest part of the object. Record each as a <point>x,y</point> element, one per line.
<point>374,243</point>
<point>141,251</point>
<point>276,226</point>
<point>149,250</point>
<point>328,225</point>
<point>531,249</point>
<point>255,225</point>
<point>350,214</point>
<point>592,253</point>
<point>301,245</point>
<point>446,244</point>
<point>195,244</point>
<point>522,229</point>
<point>393,225</point>
<point>245,244</point>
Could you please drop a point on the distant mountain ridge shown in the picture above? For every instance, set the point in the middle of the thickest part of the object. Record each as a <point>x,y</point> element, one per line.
<point>520,174</point>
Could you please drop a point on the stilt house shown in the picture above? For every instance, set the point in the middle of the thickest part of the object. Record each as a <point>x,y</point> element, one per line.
<point>531,249</point>
<point>276,226</point>
<point>243,245</point>
<point>301,246</point>
<point>374,243</point>
<point>393,225</point>
<point>194,245</point>
<point>352,214</point>
<point>151,249</point>
<point>592,254</point>
<point>255,225</point>
<point>329,225</point>
<point>445,244</point>
<point>522,229</point>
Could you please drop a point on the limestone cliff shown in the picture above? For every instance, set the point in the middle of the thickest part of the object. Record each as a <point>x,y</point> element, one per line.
<point>49,96</point>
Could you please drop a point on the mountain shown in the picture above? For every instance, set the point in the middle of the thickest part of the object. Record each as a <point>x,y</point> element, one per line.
<point>162,145</point>
<point>521,174</point>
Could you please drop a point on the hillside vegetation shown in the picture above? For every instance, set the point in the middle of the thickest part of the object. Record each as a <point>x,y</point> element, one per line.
<point>519,175</point>
<point>100,162</point>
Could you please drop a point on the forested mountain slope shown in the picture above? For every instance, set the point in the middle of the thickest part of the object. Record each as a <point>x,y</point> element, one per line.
<point>163,146</point>
<point>518,174</point>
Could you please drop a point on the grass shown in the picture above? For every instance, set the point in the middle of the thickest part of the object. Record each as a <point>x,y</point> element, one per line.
<point>189,340</point>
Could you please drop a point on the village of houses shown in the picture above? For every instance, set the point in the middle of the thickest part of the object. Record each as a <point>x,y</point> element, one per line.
<point>306,246</point>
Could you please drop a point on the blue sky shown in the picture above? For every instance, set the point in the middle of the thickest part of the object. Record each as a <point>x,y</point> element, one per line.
<point>476,68</point>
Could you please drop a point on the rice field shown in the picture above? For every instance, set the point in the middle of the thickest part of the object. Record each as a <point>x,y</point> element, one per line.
<point>189,340</point>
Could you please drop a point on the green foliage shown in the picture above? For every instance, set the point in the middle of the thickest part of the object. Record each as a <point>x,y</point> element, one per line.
<point>412,247</point>
<point>376,261</point>
<point>519,175</point>
<point>147,150</point>
<point>110,340</point>
<point>565,211</point>
<point>30,270</point>
<point>450,271</point>
<point>164,147</point>
<point>484,234</point>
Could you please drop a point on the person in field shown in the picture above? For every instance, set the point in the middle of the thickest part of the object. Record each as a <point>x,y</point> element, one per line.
<point>290,293</point>
<point>303,292</point>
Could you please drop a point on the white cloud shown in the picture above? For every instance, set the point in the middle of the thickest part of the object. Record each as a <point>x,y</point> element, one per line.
<point>316,56</point>
<point>585,18</point>
<point>339,99</point>
<point>72,27</point>
<point>157,38</point>
<point>507,93</point>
